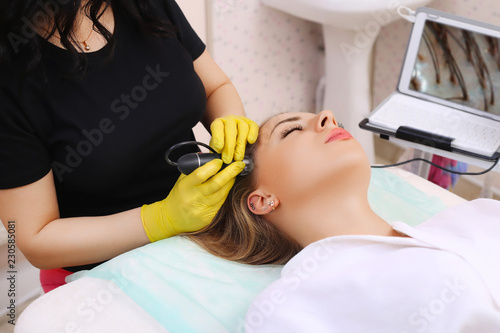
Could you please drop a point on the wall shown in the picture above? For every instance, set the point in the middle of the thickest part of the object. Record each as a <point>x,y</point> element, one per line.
<point>272,58</point>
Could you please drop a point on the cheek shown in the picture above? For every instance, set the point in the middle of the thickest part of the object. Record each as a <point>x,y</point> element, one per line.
<point>284,171</point>
<point>305,171</point>
<point>268,166</point>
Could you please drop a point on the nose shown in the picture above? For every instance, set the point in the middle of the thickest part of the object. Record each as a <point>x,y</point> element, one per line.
<point>324,119</point>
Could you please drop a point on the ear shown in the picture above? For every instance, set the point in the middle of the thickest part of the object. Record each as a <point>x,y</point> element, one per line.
<point>261,203</point>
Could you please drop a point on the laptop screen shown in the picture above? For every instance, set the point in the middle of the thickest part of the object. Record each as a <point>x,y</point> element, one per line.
<point>454,61</point>
<point>459,66</point>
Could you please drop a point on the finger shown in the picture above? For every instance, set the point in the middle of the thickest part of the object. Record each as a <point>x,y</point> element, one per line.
<point>241,140</point>
<point>212,144</point>
<point>201,174</point>
<point>217,140</point>
<point>217,198</point>
<point>230,134</point>
<point>253,132</point>
<point>224,177</point>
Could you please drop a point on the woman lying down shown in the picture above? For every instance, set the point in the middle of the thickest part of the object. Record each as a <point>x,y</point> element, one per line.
<point>347,270</point>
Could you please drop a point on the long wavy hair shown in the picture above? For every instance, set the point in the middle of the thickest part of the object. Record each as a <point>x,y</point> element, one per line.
<point>20,18</point>
<point>239,235</point>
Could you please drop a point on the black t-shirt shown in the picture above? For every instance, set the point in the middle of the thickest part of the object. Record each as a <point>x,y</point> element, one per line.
<point>104,135</point>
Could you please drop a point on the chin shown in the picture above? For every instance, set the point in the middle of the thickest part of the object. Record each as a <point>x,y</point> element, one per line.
<point>348,169</point>
<point>362,162</point>
<point>353,166</point>
<point>353,152</point>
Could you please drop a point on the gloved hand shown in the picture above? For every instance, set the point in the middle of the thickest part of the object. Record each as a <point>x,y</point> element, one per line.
<point>230,135</point>
<point>192,203</point>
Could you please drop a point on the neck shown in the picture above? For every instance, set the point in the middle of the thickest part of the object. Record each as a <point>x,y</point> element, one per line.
<point>331,215</point>
<point>85,36</point>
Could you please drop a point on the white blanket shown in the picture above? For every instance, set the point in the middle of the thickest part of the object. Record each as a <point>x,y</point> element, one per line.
<point>446,278</point>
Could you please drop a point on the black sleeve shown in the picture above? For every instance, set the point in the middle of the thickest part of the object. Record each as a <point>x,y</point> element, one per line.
<point>23,154</point>
<point>186,34</point>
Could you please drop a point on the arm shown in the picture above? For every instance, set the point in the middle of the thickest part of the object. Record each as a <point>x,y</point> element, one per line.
<point>49,242</point>
<point>224,116</point>
<point>222,97</point>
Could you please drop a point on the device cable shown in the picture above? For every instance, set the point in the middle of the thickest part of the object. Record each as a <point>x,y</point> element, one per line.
<point>439,167</point>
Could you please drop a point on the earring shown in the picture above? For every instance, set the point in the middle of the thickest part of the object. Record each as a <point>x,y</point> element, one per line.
<point>271,204</point>
<point>252,206</point>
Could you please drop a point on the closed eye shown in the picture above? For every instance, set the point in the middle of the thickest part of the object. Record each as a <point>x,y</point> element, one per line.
<point>290,129</point>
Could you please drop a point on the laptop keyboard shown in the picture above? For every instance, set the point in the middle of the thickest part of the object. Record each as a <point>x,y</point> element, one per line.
<point>470,132</point>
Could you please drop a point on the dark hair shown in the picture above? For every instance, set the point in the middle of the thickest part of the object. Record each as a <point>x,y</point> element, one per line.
<point>238,234</point>
<point>20,18</point>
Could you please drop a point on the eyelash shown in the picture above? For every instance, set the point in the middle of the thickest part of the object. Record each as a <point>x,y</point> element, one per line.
<point>290,129</point>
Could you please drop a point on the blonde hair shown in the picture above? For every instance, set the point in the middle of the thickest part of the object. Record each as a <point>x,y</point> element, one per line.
<point>239,235</point>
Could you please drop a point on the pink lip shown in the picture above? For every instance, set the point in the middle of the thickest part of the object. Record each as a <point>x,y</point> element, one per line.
<point>338,134</point>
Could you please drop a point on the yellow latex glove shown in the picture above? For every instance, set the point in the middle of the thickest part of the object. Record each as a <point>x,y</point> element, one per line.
<point>192,203</point>
<point>230,135</point>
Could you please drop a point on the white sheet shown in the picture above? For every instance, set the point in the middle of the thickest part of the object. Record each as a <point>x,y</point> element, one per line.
<point>444,279</point>
<point>448,198</point>
<point>88,305</point>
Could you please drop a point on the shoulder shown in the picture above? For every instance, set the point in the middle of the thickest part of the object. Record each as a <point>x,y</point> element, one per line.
<point>473,226</point>
<point>471,231</point>
<point>471,220</point>
<point>366,280</point>
<point>170,11</point>
<point>18,88</point>
<point>170,8</point>
<point>20,74</point>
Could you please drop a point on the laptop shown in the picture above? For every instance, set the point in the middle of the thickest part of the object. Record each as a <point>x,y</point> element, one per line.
<point>448,95</point>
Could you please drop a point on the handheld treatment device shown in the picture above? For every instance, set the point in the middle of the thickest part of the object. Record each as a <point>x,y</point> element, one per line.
<point>191,161</point>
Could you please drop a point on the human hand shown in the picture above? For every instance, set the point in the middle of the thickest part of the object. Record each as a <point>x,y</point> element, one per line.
<point>192,203</point>
<point>230,135</point>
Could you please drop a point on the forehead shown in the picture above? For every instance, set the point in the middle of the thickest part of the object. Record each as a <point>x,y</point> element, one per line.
<point>269,125</point>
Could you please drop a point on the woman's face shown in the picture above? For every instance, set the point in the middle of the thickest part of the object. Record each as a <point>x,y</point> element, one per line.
<point>301,155</point>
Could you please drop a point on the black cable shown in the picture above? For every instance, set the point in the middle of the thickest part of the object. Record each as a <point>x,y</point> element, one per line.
<point>186,143</point>
<point>439,167</point>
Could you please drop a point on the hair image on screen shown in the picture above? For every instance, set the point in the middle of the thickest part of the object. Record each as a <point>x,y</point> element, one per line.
<point>459,66</point>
